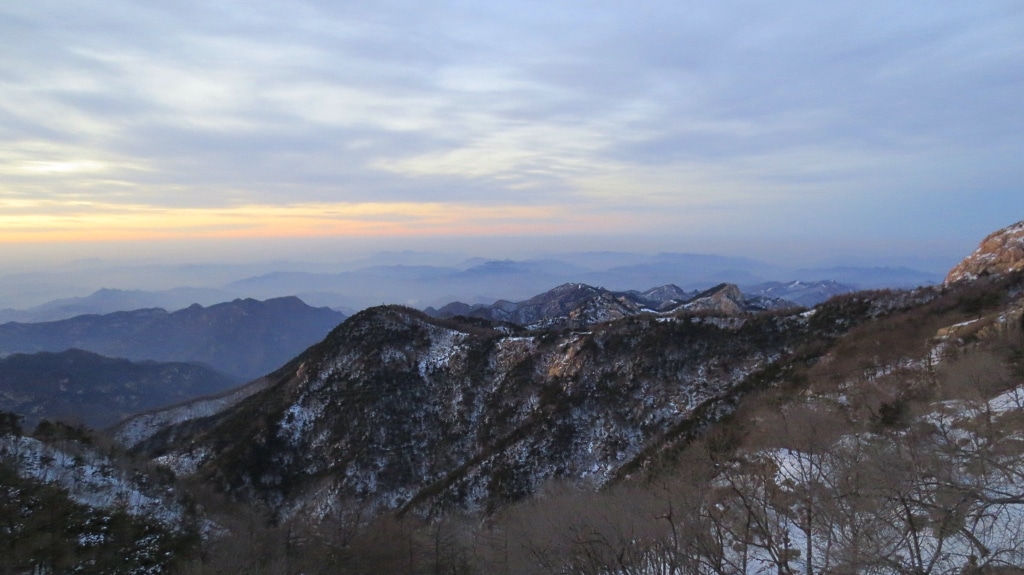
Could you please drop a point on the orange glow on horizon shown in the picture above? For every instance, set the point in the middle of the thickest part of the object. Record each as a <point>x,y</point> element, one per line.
<point>90,222</point>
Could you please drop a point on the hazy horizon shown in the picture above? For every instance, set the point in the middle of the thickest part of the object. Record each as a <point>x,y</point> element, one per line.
<point>799,249</point>
<point>801,133</point>
<point>357,276</point>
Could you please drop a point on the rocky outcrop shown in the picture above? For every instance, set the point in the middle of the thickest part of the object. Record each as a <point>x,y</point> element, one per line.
<point>999,253</point>
<point>724,299</point>
<point>728,300</point>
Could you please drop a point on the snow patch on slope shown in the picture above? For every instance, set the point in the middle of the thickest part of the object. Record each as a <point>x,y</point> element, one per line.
<point>141,427</point>
<point>444,345</point>
<point>89,478</point>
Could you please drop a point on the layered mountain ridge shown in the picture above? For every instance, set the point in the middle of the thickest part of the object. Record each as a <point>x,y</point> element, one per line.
<point>399,411</point>
<point>242,338</point>
<point>98,391</point>
<point>108,300</point>
<point>879,429</point>
<point>579,305</point>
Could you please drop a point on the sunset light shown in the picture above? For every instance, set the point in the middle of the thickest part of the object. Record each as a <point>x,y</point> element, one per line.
<point>28,221</point>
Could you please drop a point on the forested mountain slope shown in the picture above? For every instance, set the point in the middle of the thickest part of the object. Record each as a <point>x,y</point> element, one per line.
<point>398,412</point>
<point>98,391</point>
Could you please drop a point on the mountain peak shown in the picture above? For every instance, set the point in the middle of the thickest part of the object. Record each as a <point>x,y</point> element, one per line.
<point>724,298</point>
<point>1000,252</point>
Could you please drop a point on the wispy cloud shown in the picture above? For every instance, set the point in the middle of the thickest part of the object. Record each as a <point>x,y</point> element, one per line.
<point>558,113</point>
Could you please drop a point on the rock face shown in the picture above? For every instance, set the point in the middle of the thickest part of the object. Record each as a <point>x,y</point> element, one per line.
<point>727,300</point>
<point>1001,252</point>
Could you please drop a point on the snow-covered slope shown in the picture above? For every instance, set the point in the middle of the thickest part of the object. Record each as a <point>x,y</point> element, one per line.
<point>89,477</point>
<point>141,427</point>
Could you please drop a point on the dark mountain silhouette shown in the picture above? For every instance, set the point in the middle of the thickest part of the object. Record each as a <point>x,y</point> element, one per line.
<point>98,391</point>
<point>242,338</point>
<point>108,300</point>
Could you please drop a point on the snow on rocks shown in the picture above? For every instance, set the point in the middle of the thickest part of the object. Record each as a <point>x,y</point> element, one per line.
<point>298,420</point>
<point>89,478</point>
<point>444,345</point>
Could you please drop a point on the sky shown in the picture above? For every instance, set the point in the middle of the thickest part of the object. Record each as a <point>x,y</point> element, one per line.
<point>863,130</point>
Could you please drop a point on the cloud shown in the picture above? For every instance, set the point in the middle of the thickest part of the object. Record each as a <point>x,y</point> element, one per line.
<point>632,115</point>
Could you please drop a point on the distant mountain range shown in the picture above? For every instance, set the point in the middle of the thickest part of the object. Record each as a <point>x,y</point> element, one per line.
<point>487,281</point>
<point>242,338</point>
<point>807,294</point>
<point>109,300</point>
<point>579,305</point>
<point>98,391</point>
<point>416,279</point>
